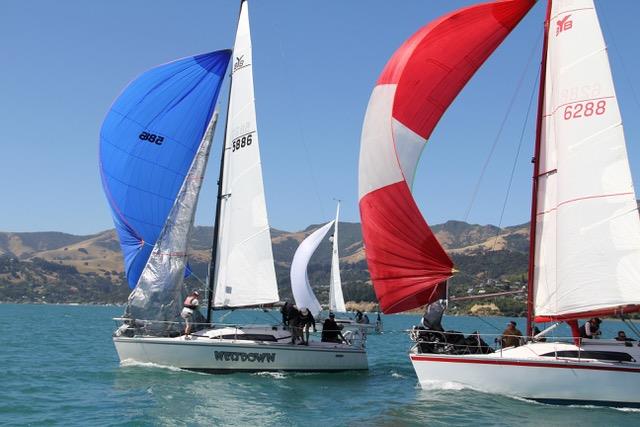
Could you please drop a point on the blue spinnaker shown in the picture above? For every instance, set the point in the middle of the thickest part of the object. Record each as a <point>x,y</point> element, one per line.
<point>147,144</point>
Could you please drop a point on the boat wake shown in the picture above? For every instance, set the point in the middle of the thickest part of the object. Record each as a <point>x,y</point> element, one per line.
<point>276,375</point>
<point>129,362</point>
<point>442,385</point>
<point>397,375</point>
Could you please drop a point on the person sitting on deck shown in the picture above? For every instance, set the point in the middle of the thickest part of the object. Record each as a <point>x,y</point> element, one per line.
<point>359,317</point>
<point>331,330</point>
<point>591,329</point>
<point>190,304</point>
<point>306,320</point>
<point>511,337</point>
<point>622,336</point>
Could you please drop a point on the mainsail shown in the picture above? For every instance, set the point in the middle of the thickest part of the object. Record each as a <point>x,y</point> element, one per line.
<point>245,272</point>
<point>148,143</point>
<point>336,300</point>
<point>587,234</point>
<point>302,292</point>
<point>408,266</point>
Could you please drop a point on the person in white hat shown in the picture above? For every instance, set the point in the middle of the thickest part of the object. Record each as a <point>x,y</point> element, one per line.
<point>190,304</point>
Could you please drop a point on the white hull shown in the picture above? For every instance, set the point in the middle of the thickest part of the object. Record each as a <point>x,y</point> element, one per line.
<point>524,372</point>
<point>209,354</point>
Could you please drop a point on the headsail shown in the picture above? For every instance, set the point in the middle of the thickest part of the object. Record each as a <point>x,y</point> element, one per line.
<point>147,144</point>
<point>302,292</point>
<point>336,300</point>
<point>245,272</point>
<point>419,82</point>
<point>587,247</point>
<point>160,289</point>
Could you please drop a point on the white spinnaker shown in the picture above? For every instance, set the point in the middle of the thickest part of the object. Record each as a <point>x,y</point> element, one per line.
<point>302,292</point>
<point>336,300</point>
<point>245,272</point>
<point>587,254</point>
<point>159,292</point>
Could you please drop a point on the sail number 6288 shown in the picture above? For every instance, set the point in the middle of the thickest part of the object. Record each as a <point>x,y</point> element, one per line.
<point>584,109</point>
<point>241,142</point>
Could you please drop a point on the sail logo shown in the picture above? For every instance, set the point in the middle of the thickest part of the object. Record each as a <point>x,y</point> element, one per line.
<point>239,63</point>
<point>563,24</point>
<point>237,356</point>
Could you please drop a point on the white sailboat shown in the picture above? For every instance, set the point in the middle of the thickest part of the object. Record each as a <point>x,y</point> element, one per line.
<point>585,228</point>
<point>301,288</point>
<point>242,270</point>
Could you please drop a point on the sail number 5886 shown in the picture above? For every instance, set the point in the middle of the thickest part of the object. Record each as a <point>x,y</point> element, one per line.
<point>243,141</point>
<point>585,109</point>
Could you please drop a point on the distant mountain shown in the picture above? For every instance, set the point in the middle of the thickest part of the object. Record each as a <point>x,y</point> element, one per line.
<point>59,267</point>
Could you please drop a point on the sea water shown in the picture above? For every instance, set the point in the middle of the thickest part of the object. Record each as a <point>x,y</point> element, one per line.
<point>58,366</point>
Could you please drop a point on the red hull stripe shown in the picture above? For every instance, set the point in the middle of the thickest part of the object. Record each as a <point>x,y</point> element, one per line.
<point>405,260</point>
<point>419,358</point>
<point>434,64</point>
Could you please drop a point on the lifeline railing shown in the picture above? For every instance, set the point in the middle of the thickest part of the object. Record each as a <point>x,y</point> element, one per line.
<point>474,344</point>
<point>169,329</point>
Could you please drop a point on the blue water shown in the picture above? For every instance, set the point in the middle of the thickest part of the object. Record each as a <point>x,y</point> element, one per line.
<point>58,366</point>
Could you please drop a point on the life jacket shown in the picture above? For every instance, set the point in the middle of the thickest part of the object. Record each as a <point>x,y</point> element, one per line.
<point>189,302</point>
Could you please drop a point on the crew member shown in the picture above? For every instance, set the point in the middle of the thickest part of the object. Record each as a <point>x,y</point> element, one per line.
<point>331,330</point>
<point>306,320</point>
<point>190,304</point>
<point>591,328</point>
<point>511,337</point>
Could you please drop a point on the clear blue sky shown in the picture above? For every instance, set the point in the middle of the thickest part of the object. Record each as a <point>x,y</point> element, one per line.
<point>315,63</point>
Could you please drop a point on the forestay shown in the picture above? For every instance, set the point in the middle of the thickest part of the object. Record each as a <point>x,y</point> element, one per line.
<point>302,292</point>
<point>245,272</point>
<point>587,252</point>
<point>336,300</point>
<point>148,142</point>
<point>407,264</point>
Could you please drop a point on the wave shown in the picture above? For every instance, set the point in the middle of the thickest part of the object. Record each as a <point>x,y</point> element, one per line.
<point>273,374</point>
<point>129,362</point>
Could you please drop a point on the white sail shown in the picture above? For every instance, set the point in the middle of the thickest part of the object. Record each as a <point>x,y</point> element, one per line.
<point>587,256</point>
<point>159,292</point>
<point>302,292</point>
<point>336,300</point>
<point>245,273</point>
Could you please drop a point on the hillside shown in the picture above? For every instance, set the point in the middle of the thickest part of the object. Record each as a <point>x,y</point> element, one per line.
<point>59,267</point>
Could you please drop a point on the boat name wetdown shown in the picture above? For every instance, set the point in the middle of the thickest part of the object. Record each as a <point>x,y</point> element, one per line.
<point>153,191</point>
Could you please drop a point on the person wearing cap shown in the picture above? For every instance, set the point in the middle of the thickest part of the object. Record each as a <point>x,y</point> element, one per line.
<point>331,330</point>
<point>511,337</point>
<point>591,329</point>
<point>189,305</point>
<point>306,320</point>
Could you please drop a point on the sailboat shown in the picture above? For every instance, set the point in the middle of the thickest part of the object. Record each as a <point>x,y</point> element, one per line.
<point>585,228</point>
<point>301,288</point>
<point>154,148</point>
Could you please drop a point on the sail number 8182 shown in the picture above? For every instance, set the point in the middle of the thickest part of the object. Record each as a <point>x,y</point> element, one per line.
<point>241,142</point>
<point>584,109</point>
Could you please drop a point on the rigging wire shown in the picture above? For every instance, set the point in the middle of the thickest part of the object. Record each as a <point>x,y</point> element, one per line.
<point>620,57</point>
<point>515,163</point>
<point>307,153</point>
<point>499,134</point>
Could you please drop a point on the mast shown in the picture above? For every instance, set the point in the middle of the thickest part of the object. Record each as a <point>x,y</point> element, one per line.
<point>536,173</point>
<point>216,224</point>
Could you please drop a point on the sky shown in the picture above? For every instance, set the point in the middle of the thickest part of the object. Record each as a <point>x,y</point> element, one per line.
<point>315,64</point>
